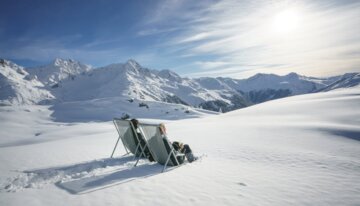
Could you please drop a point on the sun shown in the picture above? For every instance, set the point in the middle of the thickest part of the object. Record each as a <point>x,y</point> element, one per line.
<point>286,21</point>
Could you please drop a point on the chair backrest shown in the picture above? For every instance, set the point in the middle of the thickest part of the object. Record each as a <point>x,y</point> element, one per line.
<point>157,143</point>
<point>127,134</point>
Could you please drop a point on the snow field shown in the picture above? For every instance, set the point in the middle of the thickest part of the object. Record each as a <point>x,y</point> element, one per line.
<point>301,150</point>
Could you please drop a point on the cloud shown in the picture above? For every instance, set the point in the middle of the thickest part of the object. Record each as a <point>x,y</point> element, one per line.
<point>238,34</point>
<point>207,65</point>
<point>196,37</point>
<point>155,31</point>
<point>211,37</point>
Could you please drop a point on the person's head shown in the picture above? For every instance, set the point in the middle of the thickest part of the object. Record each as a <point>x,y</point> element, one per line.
<point>162,128</point>
<point>135,122</point>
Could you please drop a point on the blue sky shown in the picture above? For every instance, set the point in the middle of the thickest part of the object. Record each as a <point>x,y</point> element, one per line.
<point>193,38</point>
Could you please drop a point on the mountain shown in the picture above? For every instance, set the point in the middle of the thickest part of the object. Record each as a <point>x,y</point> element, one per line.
<point>58,70</point>
<point>260,88</point>
<point>131,80</point>
<point>18,87</point>
<point>264,87</point>
<point>292,82</point>
<point>66,80</point>
<point>345,81</point>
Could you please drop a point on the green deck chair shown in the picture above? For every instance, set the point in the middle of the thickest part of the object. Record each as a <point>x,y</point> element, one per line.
<point>161,149</point>
<point>129,138</point>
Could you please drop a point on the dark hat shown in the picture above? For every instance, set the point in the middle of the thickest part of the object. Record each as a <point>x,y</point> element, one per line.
<point>135,122</point>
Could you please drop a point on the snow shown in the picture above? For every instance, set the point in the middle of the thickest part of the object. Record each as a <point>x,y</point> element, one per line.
<point>105,109</point>
<point>69,80</point>
<point>295,83</point>
<point>58,70</point>
<point>345,81</point>
<point>66,80</point>
<point>301,150</point>
<point>18,87</point>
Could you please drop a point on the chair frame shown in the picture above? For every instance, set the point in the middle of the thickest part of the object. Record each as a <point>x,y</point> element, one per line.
<point>175,155</point>
<point>128,151</point>
<point>172,151</point>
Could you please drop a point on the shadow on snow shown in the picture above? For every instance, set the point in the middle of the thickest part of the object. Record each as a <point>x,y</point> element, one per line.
<point>91,184</point>
<point>355,135</point>
<point>77,179</point>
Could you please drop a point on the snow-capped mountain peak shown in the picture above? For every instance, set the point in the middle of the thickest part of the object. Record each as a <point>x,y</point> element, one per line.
<point>17,86</point>
<point>59,62</point>
<point>9,64</point>
<point>170,75</point>
<point>132,63</point>
<point>69,80</point>
<point>132,66</point>
<point>293,75</point>
<point>59,70</point>
<point>293,82</point>
<point>345,81</point>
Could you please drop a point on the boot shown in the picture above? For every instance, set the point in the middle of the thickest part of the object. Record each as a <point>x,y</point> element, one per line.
<point>190,157</point>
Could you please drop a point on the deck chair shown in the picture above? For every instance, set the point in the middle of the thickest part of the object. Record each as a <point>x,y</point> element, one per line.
<point>129,139</point>
<point>161,149</point>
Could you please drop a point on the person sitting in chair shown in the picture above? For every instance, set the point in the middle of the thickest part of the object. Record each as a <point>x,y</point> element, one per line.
<point>178,146</point>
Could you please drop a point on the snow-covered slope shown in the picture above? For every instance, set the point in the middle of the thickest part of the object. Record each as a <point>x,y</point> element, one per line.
<point>18,87</point>
<point>134,81</point>
<point>131,80</point>
<point>293,82</point>
<point>69,80</point>
<point>301,150</point>
<point>345,81</point>
<point>105,109</point>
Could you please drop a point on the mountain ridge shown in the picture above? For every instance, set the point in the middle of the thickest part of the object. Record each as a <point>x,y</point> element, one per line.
<point>17,86</point>
<point>69,80</point>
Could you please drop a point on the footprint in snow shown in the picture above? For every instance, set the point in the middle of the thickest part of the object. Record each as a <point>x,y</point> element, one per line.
<point>242,184</point>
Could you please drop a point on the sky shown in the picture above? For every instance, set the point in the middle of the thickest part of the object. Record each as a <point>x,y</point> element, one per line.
<point>229,38</point>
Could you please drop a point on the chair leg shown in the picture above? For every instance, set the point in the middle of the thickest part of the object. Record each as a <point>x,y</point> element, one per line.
<point>112,154</point>
<point>167,162</point>
<point>137,161</point>
<point>142,153</point>
<point>125,154</point>
<point>136,150</point>
<point>177,162</point>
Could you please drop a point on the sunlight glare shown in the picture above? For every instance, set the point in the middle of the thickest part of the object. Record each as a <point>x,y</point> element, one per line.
<point>286,21</point>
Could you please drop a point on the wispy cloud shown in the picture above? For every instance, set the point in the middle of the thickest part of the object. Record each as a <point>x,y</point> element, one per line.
<point>206,65</point>
<point>208,37</point>
<point>196,37</point>
<point>239,34</point>
<point>154,31</point>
